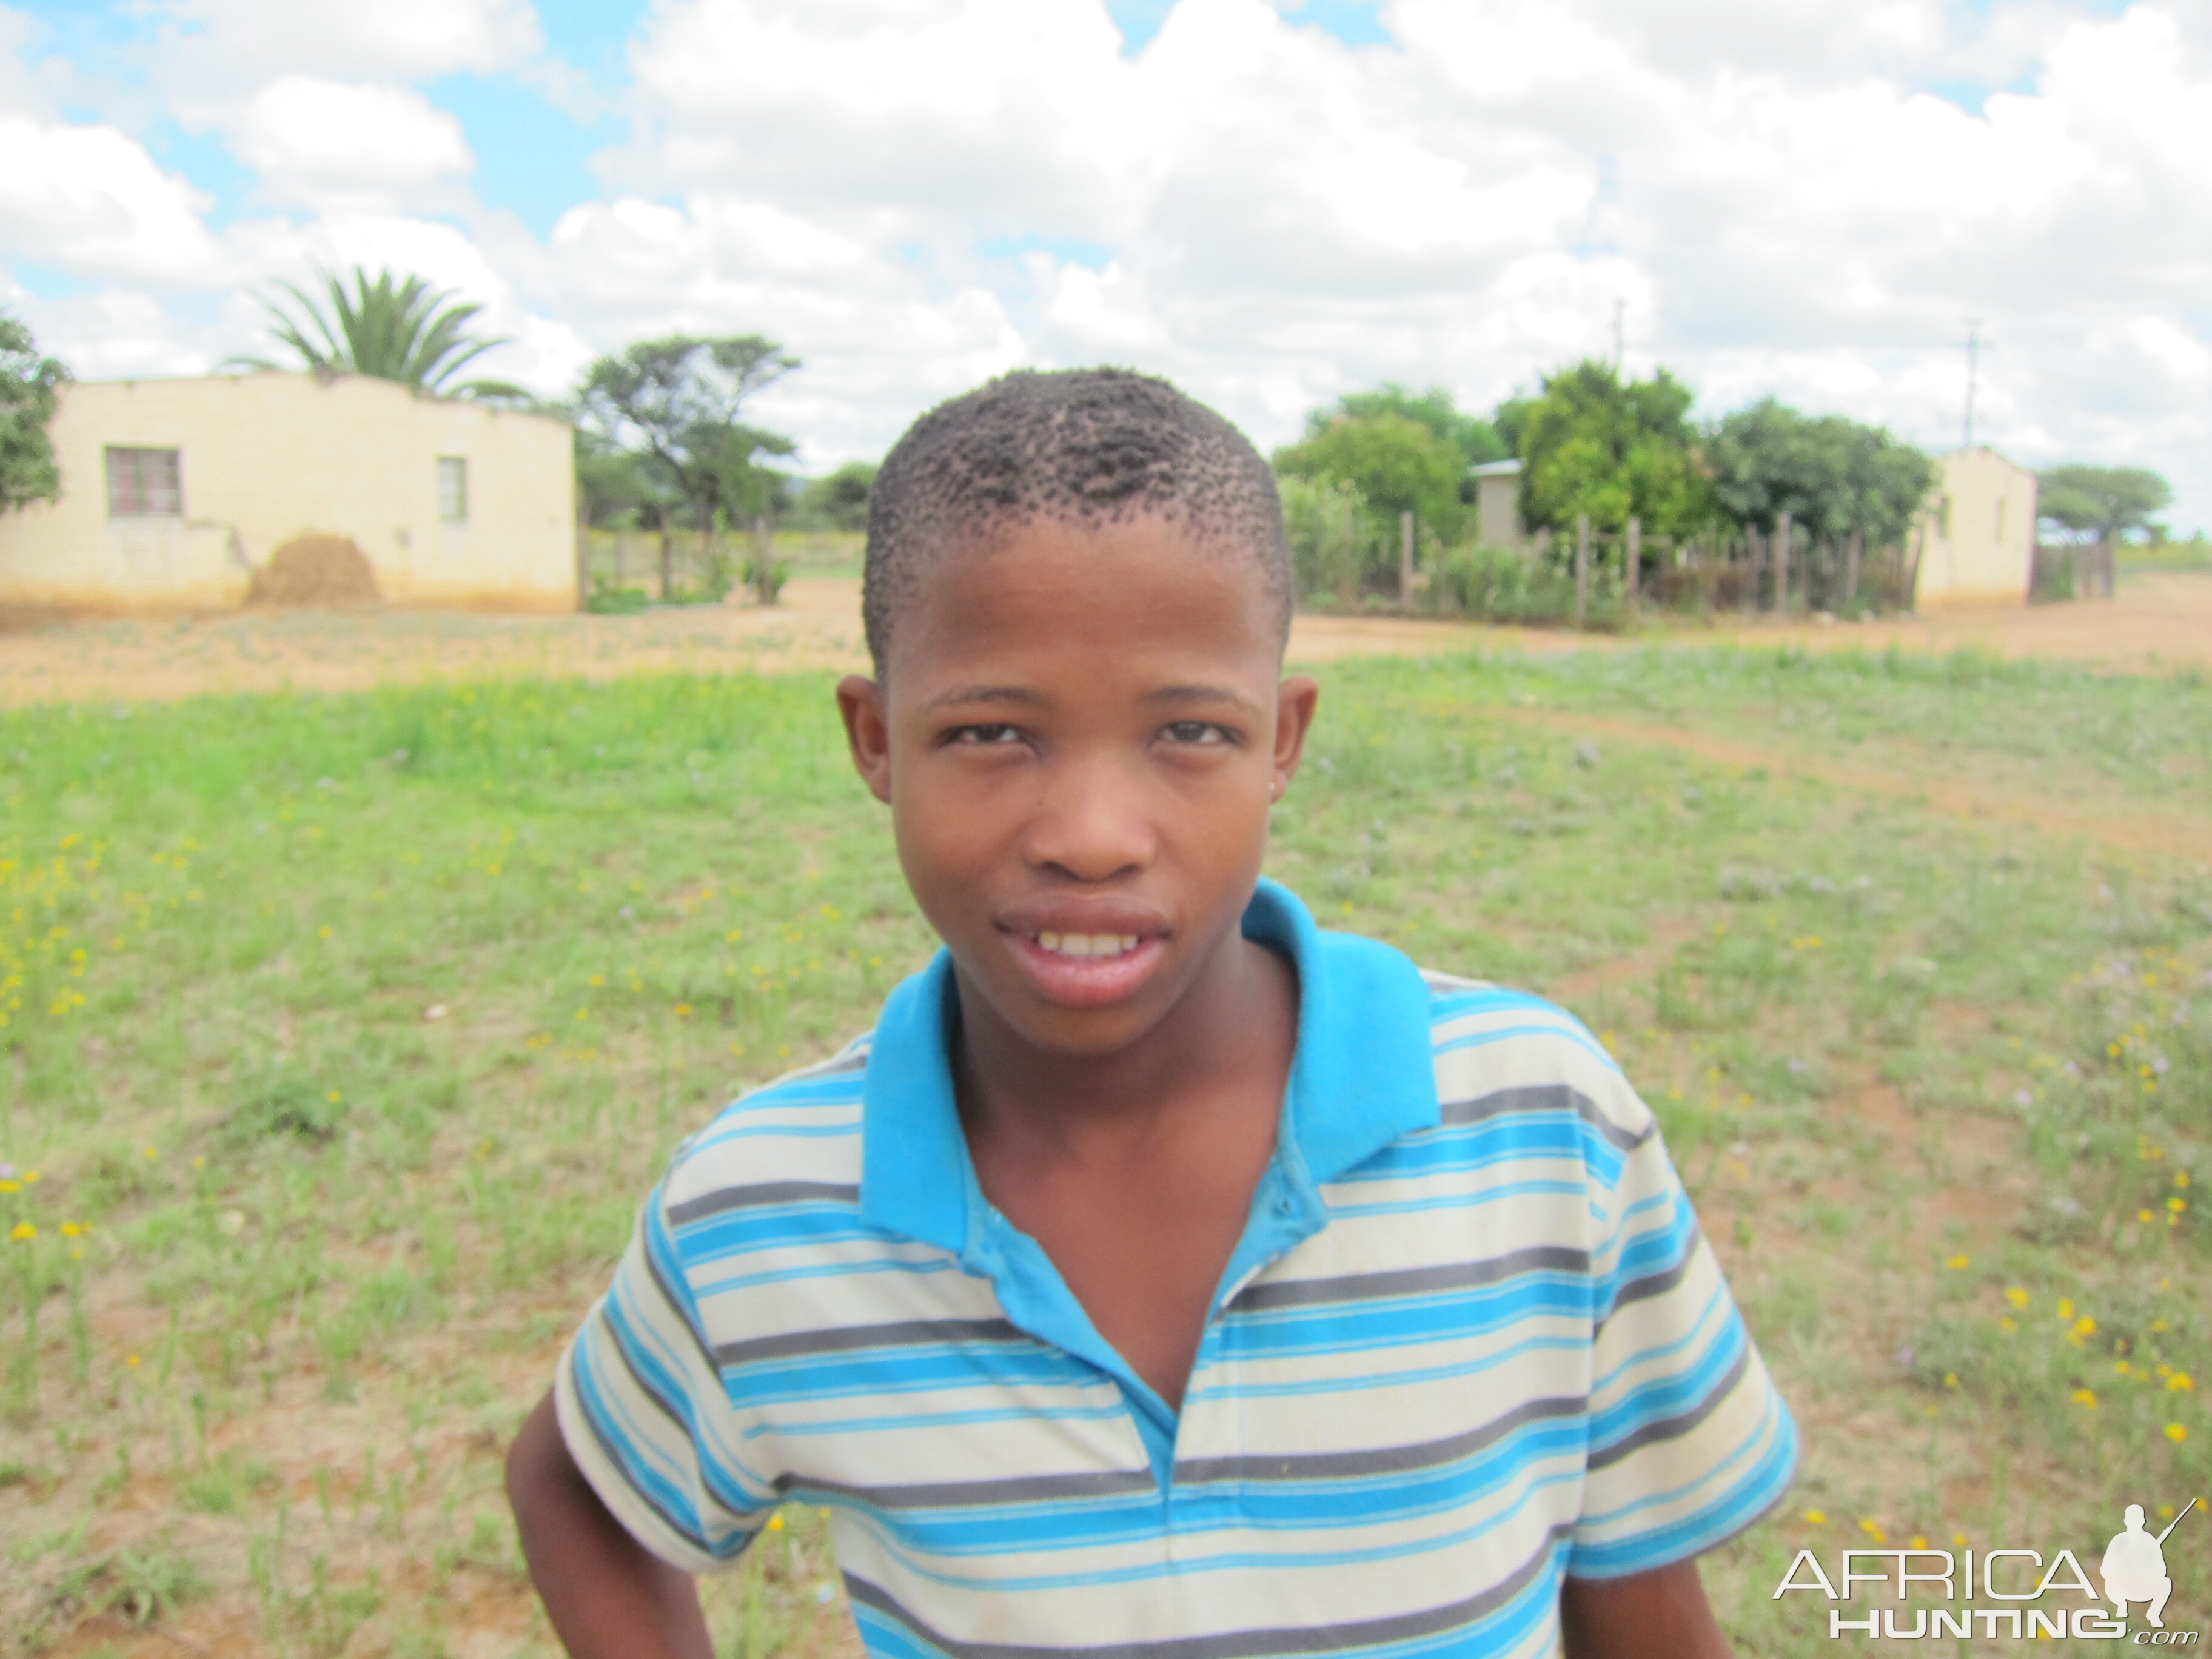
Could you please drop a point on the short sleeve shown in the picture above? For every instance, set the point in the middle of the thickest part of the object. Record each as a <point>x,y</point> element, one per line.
<point>646,1417</point>
<point>1689,1441</point>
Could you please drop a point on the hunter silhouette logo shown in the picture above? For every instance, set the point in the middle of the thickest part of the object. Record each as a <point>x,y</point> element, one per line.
<point>2133,1569</point>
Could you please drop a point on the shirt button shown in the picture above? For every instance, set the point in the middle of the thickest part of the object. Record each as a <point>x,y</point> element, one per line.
<point>1284,1205</point>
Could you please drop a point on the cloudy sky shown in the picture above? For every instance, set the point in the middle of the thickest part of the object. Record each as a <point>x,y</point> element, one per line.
<point>1273,201</point>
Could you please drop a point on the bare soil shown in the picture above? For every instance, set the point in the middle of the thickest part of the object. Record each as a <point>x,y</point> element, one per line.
<point>2158,621</point>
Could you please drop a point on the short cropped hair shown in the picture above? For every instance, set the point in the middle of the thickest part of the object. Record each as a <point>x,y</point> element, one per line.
<point>1083,446</point>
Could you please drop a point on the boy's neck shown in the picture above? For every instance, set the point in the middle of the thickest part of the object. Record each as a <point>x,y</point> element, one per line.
<point>1240,1017</point>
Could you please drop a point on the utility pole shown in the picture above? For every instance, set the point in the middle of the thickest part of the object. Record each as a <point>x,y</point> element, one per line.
<point>1973,355</point>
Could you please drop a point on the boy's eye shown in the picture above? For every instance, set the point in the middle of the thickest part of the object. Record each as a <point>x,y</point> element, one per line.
<point>1204,731</point>
<point>989,732</point>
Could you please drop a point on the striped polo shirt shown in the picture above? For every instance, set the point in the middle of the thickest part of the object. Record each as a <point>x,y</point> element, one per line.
<point>1471,1341</point>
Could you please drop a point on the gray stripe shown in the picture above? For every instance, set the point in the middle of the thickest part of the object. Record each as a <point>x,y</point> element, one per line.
<point>1411,1281</point>
<point>614,1462</point>
<point>1244,1644</point>
<point>765,1194</point>
<point>1670,1428</point>
<point>666,1406</point>
<point>1543,1098</point>
<point>676,1304</point>
<point>980,1494</point>
<point>1380,1460</point>
<point>849,1339</point>
<point>1658,1284</point>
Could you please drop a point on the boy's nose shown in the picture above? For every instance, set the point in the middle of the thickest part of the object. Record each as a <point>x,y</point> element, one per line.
<point>1091,825</point>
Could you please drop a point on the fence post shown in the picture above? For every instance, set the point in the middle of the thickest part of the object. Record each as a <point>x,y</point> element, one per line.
<point>1852,554</point>
<point>1635,571</point>
<point>1749,597</point>
<point>667,555</point>
<point>1782,533</point>
<point>1405,560</point>
<point>583,559</point>
<point>1582,569</point>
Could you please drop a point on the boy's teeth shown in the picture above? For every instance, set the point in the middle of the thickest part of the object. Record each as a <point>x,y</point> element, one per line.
<point>1088,944</point>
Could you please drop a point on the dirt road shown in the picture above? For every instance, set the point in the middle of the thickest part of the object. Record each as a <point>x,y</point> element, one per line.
<point>2157,620</point>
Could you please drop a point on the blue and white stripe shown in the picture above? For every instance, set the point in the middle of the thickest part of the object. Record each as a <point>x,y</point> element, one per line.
<point>1472,1340</point>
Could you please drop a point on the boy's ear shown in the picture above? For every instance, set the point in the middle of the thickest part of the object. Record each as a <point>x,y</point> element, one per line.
<point>867,732</point>
<point>1295,703</point>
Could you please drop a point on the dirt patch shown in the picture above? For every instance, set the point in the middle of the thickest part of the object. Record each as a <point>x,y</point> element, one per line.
<point>2157,620</point>
<point>317,569</point>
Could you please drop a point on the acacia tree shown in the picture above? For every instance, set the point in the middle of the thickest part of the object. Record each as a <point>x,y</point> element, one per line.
<point>387,328</point>
<point>676,402</point>
<point>2100,503</point>
<point>29,387</point>
<point>1591,443</point>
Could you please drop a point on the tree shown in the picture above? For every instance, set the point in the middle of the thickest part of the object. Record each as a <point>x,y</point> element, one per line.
<point>615,485</point>
<point>1832,475</point>
<point>675,401</point>
<point>838,501</point>
<point>1476,439</point>
<point>1324,520</point>
<point>2100,503</point>
<point>1591,443</point>
<point>1397,464</point>
<point>388,328</point>
<point>29,387</point>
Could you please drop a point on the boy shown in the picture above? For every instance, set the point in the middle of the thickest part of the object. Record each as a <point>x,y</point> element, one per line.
<point>1163,1276</point>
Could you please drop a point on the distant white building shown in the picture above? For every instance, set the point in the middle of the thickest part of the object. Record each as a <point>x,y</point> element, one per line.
<point>1975,537</point>
<point>174,491</point>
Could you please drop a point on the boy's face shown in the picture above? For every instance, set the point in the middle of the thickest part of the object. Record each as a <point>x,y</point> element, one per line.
<point>1079,732</point>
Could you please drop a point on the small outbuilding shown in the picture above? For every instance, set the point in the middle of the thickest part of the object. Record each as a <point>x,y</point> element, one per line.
<point>1497,506</point>
<point>177,494</point>
<point>1975,537</point>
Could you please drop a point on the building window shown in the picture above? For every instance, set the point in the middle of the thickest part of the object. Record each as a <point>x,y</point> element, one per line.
<point>454,489</point>
<point>143,483</point>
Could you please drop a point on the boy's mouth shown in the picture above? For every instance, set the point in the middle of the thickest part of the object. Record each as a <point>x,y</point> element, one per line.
<point>1084,956</point>
<point>1087,944</point>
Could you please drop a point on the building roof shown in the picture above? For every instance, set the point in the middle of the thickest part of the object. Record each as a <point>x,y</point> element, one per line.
<point>1496,470</point>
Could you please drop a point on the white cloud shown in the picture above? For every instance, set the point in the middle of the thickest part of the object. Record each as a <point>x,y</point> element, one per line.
<point>1805,198</point>
<point>90,201</point>
<point>321,141</point>
<point>221,46</point>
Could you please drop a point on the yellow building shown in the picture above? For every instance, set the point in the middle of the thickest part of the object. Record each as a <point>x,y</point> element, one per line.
<point>174,491</point>
<point>1977,535</point>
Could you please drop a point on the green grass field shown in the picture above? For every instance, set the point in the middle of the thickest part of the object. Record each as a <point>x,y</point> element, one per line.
<point>339,1037</point>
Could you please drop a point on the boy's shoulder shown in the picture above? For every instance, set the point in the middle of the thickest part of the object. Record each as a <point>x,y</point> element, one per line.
<point>794,1140</point>
<point>1498,1050</point>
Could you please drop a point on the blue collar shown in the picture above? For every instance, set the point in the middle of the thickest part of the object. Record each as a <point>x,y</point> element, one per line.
<point>1362,1077</point>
